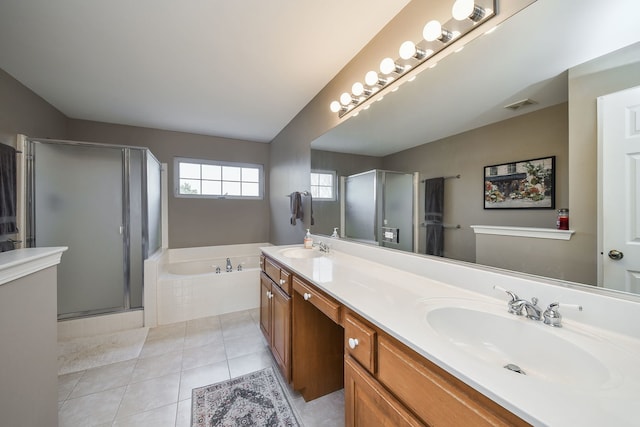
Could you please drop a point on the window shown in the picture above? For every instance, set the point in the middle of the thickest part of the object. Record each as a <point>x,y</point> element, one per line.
<point>323,185</point>
<point>212,179</point>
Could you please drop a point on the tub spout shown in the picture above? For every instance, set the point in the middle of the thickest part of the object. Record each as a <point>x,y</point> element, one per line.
<point>229,266</point>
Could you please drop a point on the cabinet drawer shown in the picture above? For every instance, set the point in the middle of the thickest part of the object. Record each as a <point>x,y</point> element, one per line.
<point>281,277</point>
<point>324,303</point>
<point>434,395</point>
<point>272,269</point>
<point>360,341</point>
<point>285,281</point>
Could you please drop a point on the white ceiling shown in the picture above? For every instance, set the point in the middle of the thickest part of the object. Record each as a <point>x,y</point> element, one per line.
<point>525,58</point>
<point>233,68</point>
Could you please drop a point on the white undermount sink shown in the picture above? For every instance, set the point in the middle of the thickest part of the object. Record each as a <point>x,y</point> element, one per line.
<point>538,351</point>
<point>300,253</point>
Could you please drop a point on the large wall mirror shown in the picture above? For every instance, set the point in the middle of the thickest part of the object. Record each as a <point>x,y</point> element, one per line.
<point>452,120</point>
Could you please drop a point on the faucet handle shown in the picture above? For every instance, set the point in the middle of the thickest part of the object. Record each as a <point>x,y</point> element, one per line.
<point>510,304</point>
<point>511,294</point>
<point>552,316</point>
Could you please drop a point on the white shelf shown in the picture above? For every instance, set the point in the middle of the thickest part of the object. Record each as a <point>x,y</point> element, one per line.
<point>536,233</point>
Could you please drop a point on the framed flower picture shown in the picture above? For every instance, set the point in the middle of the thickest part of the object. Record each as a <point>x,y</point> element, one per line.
<point>526,184</point>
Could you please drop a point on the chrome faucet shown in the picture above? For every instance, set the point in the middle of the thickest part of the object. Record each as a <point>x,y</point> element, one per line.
<point>229,266</point>
<point>551,315</point>
<point>533,311</point>
<point>516,305</point>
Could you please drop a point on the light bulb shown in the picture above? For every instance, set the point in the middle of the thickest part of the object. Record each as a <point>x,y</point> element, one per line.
<point>371,78</point>
<point>345,98</point>
<point>462,9</point>
<point>407,49</point>
<point>357,89</point>
<point>432,31</point>
<point>387,66</point>
<point>335,106</point>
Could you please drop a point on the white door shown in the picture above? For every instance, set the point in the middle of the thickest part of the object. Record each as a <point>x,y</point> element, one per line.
<point>619,132</point>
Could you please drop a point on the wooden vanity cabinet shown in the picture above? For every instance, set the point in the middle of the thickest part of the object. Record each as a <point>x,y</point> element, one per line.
<point>389,381</point>
<point>318,349</point>
<point>367,403</point>
<point>275,313</point>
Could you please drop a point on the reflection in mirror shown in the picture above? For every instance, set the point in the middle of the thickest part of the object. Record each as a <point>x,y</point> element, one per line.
<point>378,207</point>
<point>451,121</point>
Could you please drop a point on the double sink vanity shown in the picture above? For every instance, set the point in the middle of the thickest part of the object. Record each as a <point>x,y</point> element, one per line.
<point>419,340</point>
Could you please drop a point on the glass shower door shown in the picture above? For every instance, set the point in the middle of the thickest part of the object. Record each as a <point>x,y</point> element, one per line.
<point>398,209</point>
<point>79,204</point>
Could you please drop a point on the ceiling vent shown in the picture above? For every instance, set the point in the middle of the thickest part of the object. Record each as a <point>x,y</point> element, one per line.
<point>520,104</point>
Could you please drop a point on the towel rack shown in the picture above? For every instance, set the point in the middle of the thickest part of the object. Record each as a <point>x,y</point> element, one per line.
<point>303,193</point>
<point>424,224</point>
<point>445,177</point>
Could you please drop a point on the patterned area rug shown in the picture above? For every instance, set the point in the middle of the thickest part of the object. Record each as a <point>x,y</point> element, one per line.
<point>255,399</point>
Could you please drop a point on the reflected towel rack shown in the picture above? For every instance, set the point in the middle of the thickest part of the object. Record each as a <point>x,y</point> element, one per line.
<point>445,177</point>
<point>304,193</point>
<point>424,224</point>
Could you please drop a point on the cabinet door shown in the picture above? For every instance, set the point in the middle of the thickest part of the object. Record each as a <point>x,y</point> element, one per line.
<point>265,306</point>
<point>281,330</point>
<point>367,404</point>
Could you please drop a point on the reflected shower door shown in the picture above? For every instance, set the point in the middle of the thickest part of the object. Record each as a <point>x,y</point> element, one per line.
<point>398,209</point>
<point>360,206</point>
<point>78,203</point>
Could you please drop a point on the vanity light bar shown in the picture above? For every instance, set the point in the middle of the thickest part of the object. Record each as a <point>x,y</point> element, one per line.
<point>467,16</point>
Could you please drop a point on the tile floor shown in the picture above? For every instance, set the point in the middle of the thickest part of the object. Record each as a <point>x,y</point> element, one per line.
<point>153,387</point>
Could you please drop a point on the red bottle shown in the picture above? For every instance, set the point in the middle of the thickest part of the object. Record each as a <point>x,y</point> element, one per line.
<point>562,222</point>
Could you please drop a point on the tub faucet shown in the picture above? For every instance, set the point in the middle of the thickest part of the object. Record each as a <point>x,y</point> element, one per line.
<point>229,266</point>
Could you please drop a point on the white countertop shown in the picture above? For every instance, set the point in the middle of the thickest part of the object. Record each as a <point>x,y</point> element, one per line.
<point>397,301</point>
<point>20,262</point>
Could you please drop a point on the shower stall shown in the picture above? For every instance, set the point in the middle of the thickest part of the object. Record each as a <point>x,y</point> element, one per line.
<point>379,207</point>
<point>103,202</point>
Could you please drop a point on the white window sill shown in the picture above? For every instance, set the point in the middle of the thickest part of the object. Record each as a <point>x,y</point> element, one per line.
<point>537,233</point>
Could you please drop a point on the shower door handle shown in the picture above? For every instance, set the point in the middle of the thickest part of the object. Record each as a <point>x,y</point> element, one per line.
<point>122,229</point>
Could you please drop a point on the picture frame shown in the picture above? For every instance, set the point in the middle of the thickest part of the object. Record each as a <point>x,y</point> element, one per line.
<point>525,184</point>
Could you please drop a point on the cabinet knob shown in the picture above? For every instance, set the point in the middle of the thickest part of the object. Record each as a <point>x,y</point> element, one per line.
<point>269,294</point>
<point>306,296</point>
<point>353,343</point>
<point>282,281</point>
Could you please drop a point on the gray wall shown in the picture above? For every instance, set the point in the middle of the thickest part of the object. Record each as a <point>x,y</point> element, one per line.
<point>195,222</point>
<point>22,111</point>
<point>542,133</point>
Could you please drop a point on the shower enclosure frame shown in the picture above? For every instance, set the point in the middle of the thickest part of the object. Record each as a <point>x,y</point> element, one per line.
<point>30,225</point>
<point>377,211</point>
